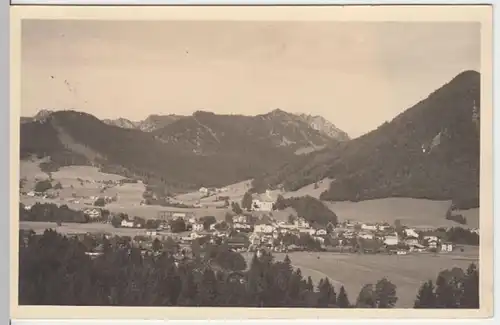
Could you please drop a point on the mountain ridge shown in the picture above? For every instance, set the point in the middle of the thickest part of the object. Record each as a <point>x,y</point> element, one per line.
<point>431,150</point>
<point>204,149</point>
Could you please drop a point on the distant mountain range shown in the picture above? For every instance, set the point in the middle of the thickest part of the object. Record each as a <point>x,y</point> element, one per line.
<point>156,122</point>
<point>429,151</point>
<point>204,149</point>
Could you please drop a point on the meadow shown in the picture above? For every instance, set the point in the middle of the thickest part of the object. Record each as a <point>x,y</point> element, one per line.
<point>418,213</point>
<point>87,181</point>
<point>353,271</point>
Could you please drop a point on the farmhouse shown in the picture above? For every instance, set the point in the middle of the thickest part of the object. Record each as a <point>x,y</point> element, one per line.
<point>391,240</point>
<point>301,223</point>
<point>365,235</point>
<point>127,224</point>
<point>321,232</point>
<point>197,227</point>
<point>263,228</point>
<point>239,219</point>
<point>92,213</point>
<point>177,215</point>
<point>410,233</point>
<point>411,241</point>
<point>258,205</point>
<point>368,227</point>
<point>447,247</point>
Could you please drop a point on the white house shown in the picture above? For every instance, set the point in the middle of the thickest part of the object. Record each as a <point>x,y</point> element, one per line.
<point>177,215</point>
<point>321,232</point>
<point>411,233</point>
<point>203,190</point>
<point>241,226</point>
<point>127,224</point>
<point>412,241</point>
<point>431,238</point>
<point>383,227</point>
<point>447,247</point>
<point>151,233</point>
<point>92,213</point>
<point>368,227</point>
<point>266,229</point>
<point>197,227</point>
<point>391,240</point>
<point>239,219</point>
<point>27,207</point>
<point>321,240</point>
<point>365,235</point>
<point>31,193</point>
<point>258,205</point>
<point>301,223</point>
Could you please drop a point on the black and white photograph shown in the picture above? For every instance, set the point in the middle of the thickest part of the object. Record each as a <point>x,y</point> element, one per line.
<point>317,164</point>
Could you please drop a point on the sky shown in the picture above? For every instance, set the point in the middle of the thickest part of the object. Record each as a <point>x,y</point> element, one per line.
<point>355,74</point>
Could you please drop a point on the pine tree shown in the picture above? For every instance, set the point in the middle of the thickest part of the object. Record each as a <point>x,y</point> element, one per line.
<point>342,299</point>
<point>385,294</point>
<point>287,260</point>
<point>445,293</point>
<point>366,297</point>
<point>327,295</point>
<point>246,202</point>
<point>426,297</point>
<point>310,285</point>
<point>470,297</point>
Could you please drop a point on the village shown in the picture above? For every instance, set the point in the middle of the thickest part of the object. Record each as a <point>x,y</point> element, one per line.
<point>244,230</point>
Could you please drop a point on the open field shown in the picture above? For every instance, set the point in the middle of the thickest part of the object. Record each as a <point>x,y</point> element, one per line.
<point>418,213</point>
<point>86,181</point>
<point>235,193</point>
<point>30,171</point>
<point>353,270</point>
<point>133,210</point>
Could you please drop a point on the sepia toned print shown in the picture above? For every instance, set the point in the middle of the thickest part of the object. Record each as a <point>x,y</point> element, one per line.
<point>329,166</point>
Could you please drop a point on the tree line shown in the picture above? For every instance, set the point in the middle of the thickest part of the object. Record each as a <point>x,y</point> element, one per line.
<point>55,270</point>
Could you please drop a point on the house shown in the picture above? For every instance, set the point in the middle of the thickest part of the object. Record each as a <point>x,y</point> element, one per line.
<point>321,240</point>
<point>365,235</point>
<point>321,232</point>
<point>383,227</point>
<point>203,190</point>
<point>411,241</point>
<point>31,193</point>
<point>92,213</point>
<point>241,227</point>
<point>127,224</point>
<point>237,242</point>
<point>258,205</point>
<point>432,244</point>
<point>391,240</point>
<point>27,207</point>
<point>151,233</point>
<point>401,252</point>
<point>301,223</point>
<point>263,228</point>
<point>431,238</point>
<point>177,215</point>
<point>409,232</point>
<point>368,227</point>
<point>197,227</point>
<point>447,247</point>
<point>239,219</point>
